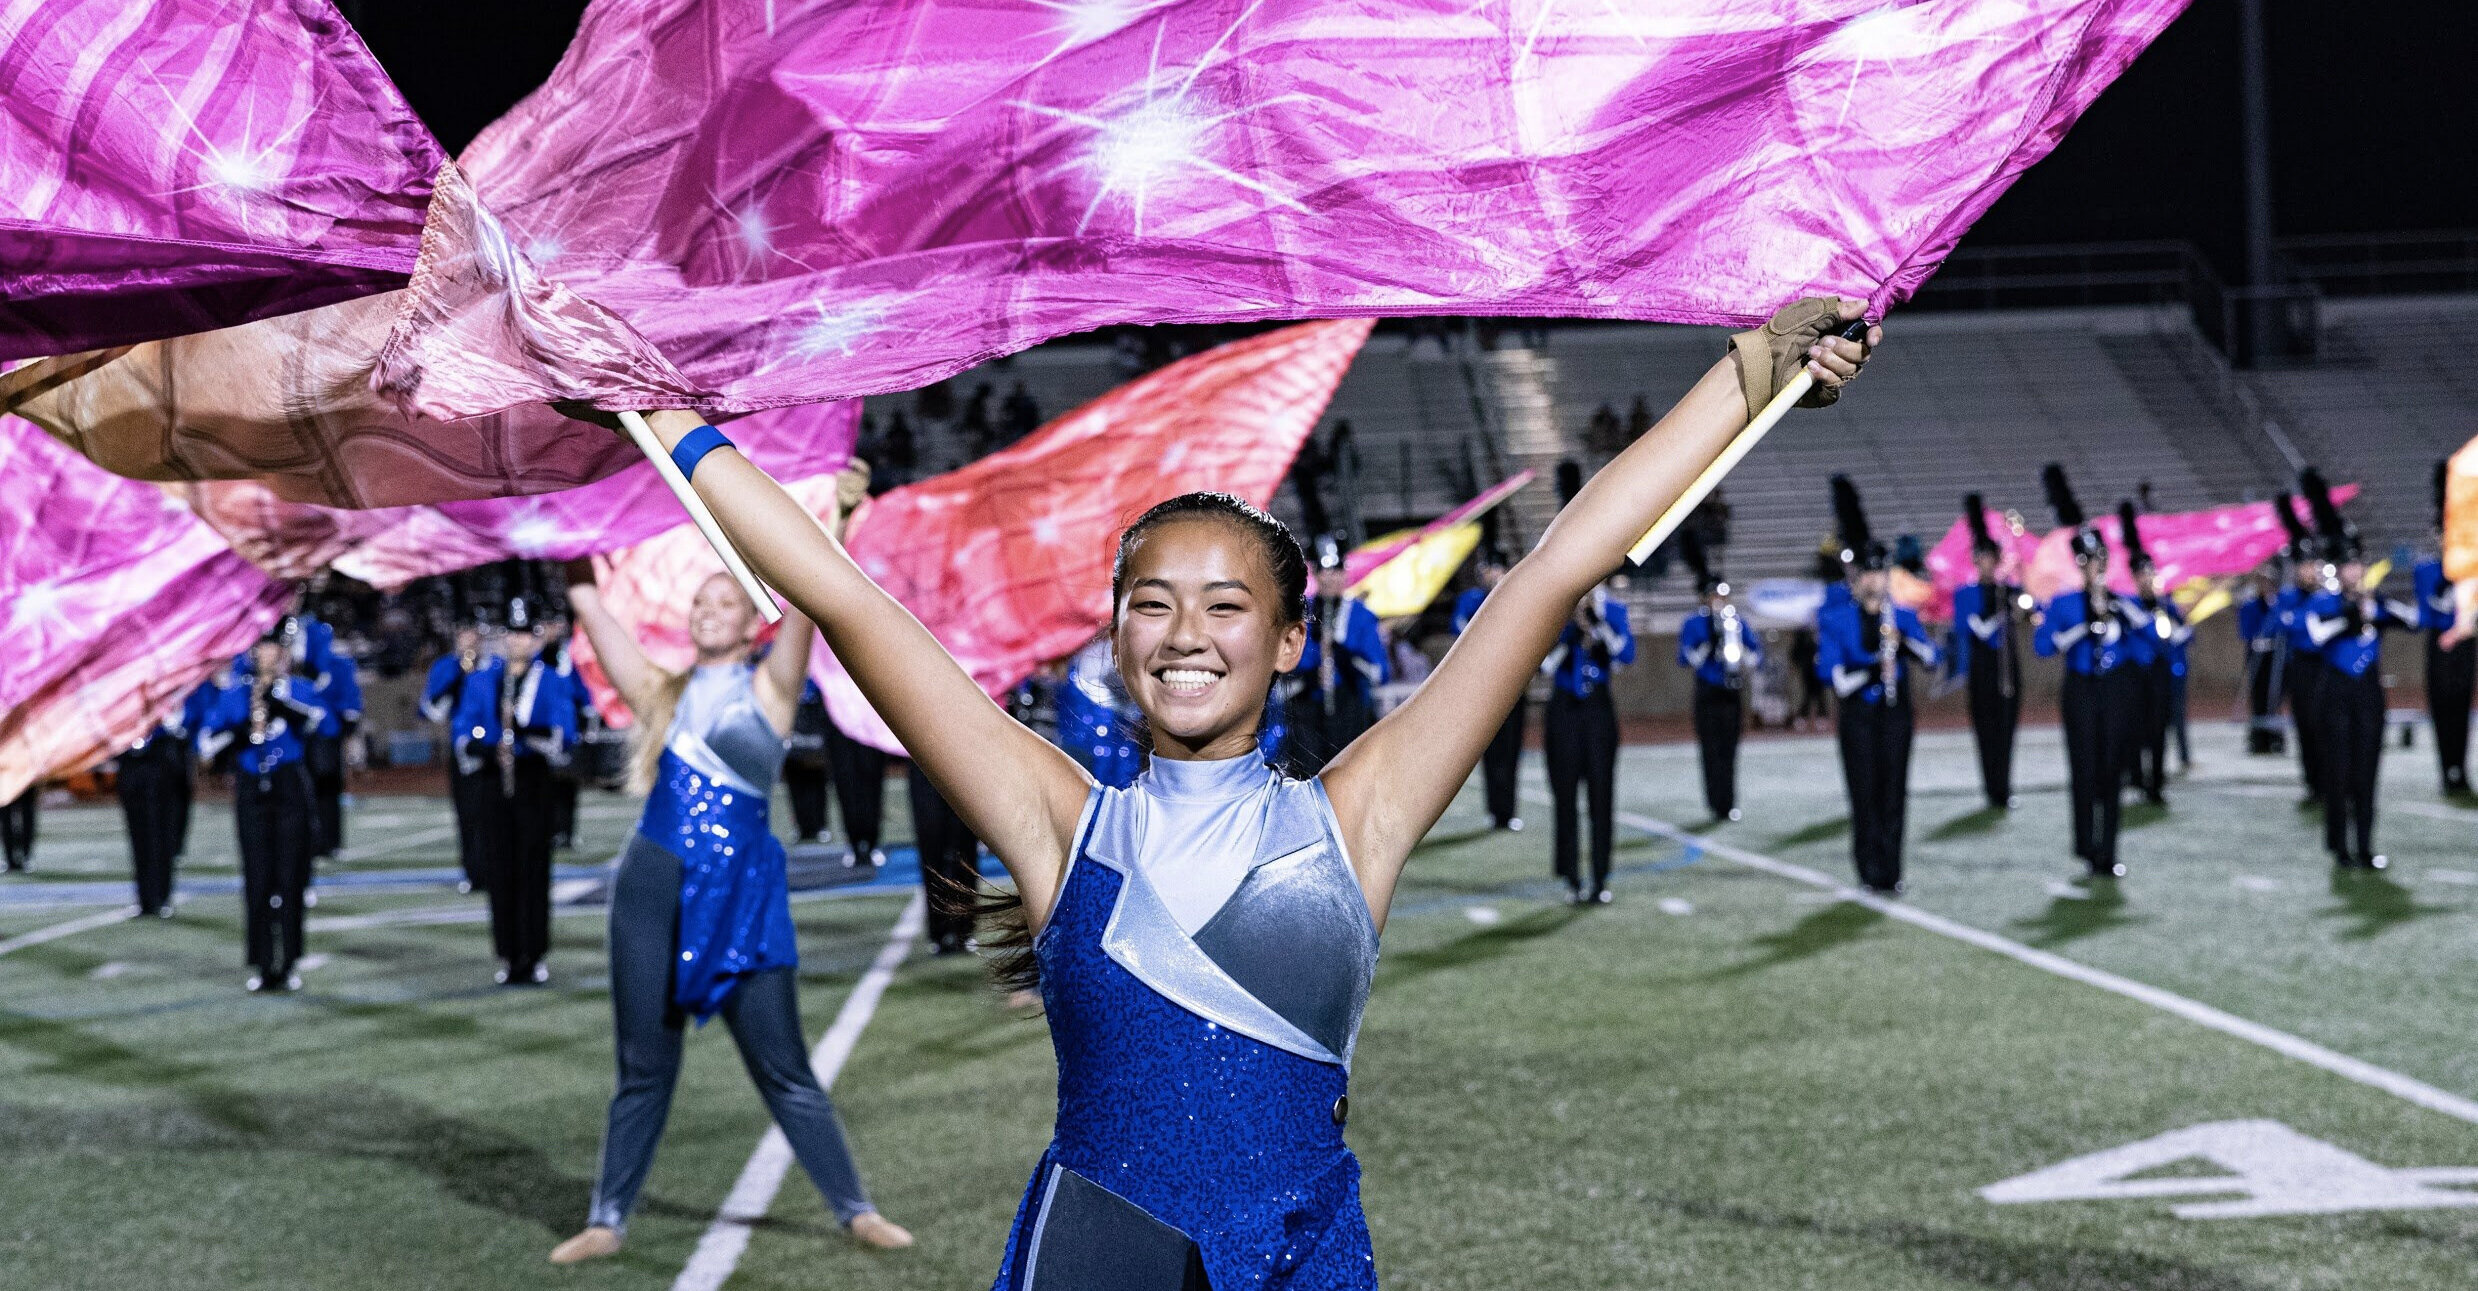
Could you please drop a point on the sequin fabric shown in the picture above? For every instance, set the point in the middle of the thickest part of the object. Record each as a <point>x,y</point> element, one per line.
<point>735,896</point>
<point>1226,1138</point>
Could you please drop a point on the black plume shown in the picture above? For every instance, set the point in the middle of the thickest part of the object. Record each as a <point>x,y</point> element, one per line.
<point>2443,470</point>
<point>2061,496</point>
<point>2135,556</point>
<point>1698,561</point>
<point>1569,480</point>
<point>1850,518</point>
<point>2339,536</point>
<point>2283,507</point>
<point>1975,514</point>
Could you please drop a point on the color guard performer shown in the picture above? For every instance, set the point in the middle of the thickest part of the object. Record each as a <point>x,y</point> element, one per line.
<point>1720,650</point>
<point>1986,651</point>
<point>2451,672</point>
<point>2346,619</point>
<point>443,701</point>
<point>1505,751</point>
<point>2096,632</point>
<point>1865,648</point>
<point>266,710</point>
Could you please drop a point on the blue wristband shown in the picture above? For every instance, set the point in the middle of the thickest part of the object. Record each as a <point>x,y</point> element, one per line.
<point>693,448</point>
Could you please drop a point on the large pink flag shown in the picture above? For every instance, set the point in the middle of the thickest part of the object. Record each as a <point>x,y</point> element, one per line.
<point>392,546</point>
<point>2216,542</point>
<point>730,205</point>
<point>115,602</point>
<point>172,166</point>
<point>1007,561</point>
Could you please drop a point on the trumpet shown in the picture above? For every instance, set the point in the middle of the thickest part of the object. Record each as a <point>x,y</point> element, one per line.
<point>1733,654</point>
<point>260,684</point>
<point>1888,644</point>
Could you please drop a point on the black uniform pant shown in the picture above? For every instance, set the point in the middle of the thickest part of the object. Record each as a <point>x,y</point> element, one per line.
<point>2147,769</point>
<point>275,817</point>
<point>516,849</point>
<point>2101,716</point>
<point>1875,771</point>
<point>326,759</point>
<point>860,788</point>
<point>2449,677</point>
<point>150,785</point>
<point>2264,682</point>
<point>468,796</point>
<point>2305,674</point>
<point>1720,714</point>
<point>1497,765</point>
<point>1581,738</point>
<point>804,783</point>
<point>564,789</point>
<point>17,827</point>
<point>950,861</point>
<point>1994,718</point>
<point>2351,718</point>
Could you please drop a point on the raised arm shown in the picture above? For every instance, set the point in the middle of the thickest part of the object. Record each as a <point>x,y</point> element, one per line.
<point>1393,782</point>
<point>615,647</point>
<point>1017,791</point>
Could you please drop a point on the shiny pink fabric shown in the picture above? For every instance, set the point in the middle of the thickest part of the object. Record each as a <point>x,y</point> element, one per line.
<point>731,205</point>
<point>173,166</point>
<point>1363,561</point>
<point>2217,542</point>
<point>1007,561</point>
<point>390,547</point>
<point>115,602</point>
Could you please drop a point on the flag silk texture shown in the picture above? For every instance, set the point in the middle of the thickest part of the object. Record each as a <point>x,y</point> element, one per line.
<point>390,547</point>
<point>115,602</point>
<point>727,205</point>
<point>1007,561</point>
<point>173,166</point>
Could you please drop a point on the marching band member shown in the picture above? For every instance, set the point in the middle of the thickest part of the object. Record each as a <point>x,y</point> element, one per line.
<point>1865,648</point>
<point>1986,650</point>
<point>443,701</point>
<point>2258,623</point>
<point>2451,672</point>
<point>1332,695</point>
<point>1579,735</point>
<point>2346,620</point>
<point>1505,751</point>
<point>2160,656</point>
<point>2096,633</point>
<point>17,826</point>
<point>806,770</point>
<point>267,710</point>
<point>535,731</point>
<point>153,784</point>
<point>1720,650</point>
<point>2301,657</point>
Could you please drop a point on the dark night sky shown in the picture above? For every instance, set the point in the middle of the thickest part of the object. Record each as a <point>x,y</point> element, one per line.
<point>2370,117</point>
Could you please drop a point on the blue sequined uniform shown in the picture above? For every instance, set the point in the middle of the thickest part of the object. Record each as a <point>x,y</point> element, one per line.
<point>1201,1075</point>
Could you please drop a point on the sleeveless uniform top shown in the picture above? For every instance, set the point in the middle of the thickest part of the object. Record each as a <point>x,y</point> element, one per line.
<point>1204,969</point>
<point>708,809</point>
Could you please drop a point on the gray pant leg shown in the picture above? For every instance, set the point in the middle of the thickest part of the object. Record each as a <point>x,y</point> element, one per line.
<point>645,904</point>
<point>764,1016</point>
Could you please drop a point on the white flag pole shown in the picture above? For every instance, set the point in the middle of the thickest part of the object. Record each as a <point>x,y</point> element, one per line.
<point>643,435</point>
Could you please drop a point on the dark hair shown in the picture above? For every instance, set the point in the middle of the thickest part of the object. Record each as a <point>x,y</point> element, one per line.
<point>1005,931</point>
<point>1282,553</point>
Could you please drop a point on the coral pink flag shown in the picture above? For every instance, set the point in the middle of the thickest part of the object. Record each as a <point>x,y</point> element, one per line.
<point>390,547</point>
<point>115,602</point>
<point>726,205</point>
<point>1007,561</point>
<point>2217,542</point>
<point>173,166</point>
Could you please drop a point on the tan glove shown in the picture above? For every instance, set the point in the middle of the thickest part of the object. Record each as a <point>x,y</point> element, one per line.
<point>1769,356</point>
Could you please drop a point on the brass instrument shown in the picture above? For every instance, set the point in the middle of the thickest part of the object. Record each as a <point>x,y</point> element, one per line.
<point>1733,654</point>
<point>1888,642</point>
<point>260,684</point>
<point>508,682</point>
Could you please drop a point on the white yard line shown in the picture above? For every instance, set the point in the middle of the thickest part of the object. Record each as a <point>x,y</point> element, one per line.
<point>727,1238</point>
<point>68,928</point>
<point>2339,1064</point>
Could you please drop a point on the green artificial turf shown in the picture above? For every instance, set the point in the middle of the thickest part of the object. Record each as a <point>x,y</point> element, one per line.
<point>1726,1079</point>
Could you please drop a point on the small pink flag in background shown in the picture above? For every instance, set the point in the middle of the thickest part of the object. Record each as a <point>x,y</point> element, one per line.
<point>173,166</point>
<point>727,205</point>
<point>115,602</point>
<point>2217,542</point>
<point>1360,562</point>
<point>1007,561</point>
<point>1949,563</point>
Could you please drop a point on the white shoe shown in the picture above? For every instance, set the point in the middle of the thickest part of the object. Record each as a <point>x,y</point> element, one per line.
<point>309,898</point>
<point>541,974</point>
<point>464,887</point>
<point>255,983</point>
<point>1735,814</point>
<point>292,981</point>
<point>1514,825</point>
<point>501,976</point>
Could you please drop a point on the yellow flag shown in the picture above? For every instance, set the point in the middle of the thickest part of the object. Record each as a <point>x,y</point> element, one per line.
<point>1406,584</point>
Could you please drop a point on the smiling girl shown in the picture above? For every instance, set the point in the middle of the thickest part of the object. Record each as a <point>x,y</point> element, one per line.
<point>1205,938</point>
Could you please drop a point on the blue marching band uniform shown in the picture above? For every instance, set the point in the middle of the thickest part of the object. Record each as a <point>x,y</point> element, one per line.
<point>1720,651</point>
<point>1331,697</point>
<point>154,781</point>
<point>264,717</point>
<point>1874,719</point>
<point>1984,649</point>
<point>2450,672</point>
<point>1579,736</point>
